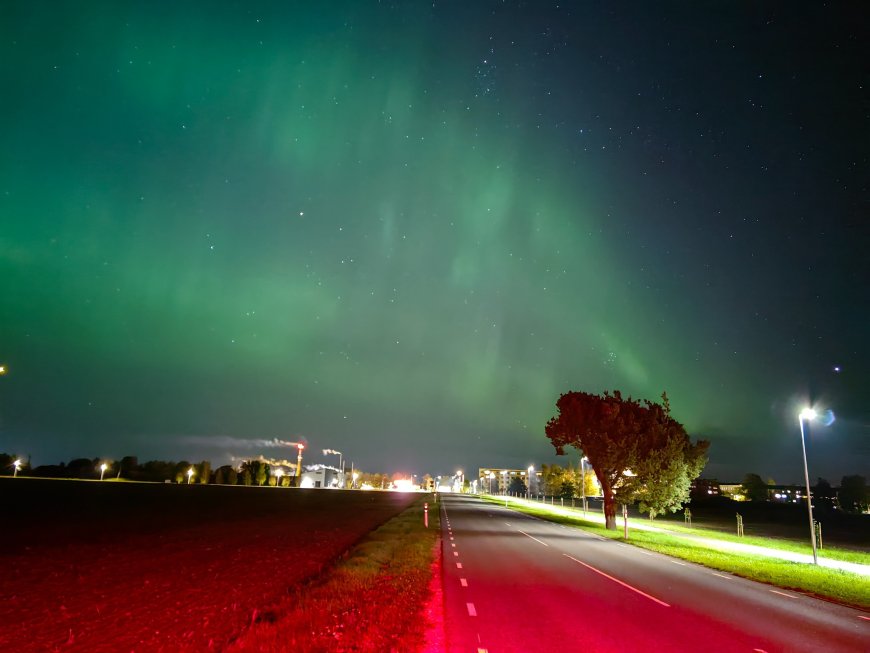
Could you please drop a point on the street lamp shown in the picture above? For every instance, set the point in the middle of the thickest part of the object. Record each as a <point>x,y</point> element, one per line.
<point>17,466</point>
<point>529,479</point>
<point>583,461</point>
<point>278,474</point>
<point>461,479</point>
<point>491,476</point>
<point>189,475</point>
<point>808,414</point>
<point>103,469</point>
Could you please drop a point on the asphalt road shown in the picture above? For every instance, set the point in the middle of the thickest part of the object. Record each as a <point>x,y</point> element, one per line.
<point>516,583</point>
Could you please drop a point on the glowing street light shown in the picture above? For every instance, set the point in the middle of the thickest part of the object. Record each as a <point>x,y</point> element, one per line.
<point>103,469</point>
<point>808,414</point>
<point>353,481</point>
<point>189,475</point>
<point>461,479</point>
<point>2,370</point>
<point>529,479</point>
<point>278,474</point>
<point>491,476</point>
<point>17,466</point>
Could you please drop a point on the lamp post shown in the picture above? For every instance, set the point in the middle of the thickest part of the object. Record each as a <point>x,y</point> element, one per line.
<point>529,489</point>
<point>103,468</point>
<point>461,479</point>
<point>808,414</point>
<point>16,465</point>
<point>491,476</point>
<point>189,475</point>
<point>278,474</point>
<point>583,461</point>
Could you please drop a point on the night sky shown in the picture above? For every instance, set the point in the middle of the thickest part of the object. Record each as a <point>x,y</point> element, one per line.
<point>402,229</point>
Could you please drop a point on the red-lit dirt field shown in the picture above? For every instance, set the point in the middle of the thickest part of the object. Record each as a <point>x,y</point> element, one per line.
<point>89,566</point>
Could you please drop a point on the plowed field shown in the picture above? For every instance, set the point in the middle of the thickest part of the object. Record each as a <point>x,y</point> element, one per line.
<point>90,566</point>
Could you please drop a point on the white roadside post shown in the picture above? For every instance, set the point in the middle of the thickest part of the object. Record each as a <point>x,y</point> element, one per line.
<point>426,515</point>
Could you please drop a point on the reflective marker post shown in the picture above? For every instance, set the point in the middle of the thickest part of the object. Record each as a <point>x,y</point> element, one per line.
<point>426,514</point>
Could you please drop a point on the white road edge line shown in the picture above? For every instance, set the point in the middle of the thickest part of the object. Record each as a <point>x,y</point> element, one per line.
<point>471,610</point>
<point>784,594</point>
<point>534,538</point>
<point>616,580</point>
<point>682,564</point>
<point>722,576</point>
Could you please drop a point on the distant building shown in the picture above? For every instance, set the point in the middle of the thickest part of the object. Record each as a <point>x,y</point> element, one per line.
<point>705,487</point>
<point>781,494</point>
<point>494,480</point>
<point>323,476</point>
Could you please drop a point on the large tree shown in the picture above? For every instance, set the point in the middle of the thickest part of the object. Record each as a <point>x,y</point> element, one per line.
<point>637,450</point>
<point>854,495</point>
<point>754,488</point>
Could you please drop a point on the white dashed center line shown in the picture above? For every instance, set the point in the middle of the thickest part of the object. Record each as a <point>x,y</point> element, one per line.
<point>463,582</point>
<point>472,612</point>
<point>534,538</point>
<point>459,565</point>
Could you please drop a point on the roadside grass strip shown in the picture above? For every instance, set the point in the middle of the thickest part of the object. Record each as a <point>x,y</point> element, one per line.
<point>831,584</point>
<point>372,600</point>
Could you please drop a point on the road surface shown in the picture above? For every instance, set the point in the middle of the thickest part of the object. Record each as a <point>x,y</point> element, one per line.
<point>516,583</point>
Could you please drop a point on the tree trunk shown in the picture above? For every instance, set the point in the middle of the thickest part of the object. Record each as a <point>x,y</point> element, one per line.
<point>609,505</point>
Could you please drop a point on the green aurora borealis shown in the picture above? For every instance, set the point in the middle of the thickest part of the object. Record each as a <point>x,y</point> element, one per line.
<point>402,230</point>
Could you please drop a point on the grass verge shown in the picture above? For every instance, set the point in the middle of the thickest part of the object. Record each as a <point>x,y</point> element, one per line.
<point>372,600</point>
<point>831,584</point>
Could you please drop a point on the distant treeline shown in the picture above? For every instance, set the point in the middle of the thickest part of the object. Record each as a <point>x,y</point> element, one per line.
<point>249,472</point>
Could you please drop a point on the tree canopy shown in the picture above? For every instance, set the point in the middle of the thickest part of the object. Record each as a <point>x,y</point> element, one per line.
<point>637,450</point>
<point>754,487</point>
